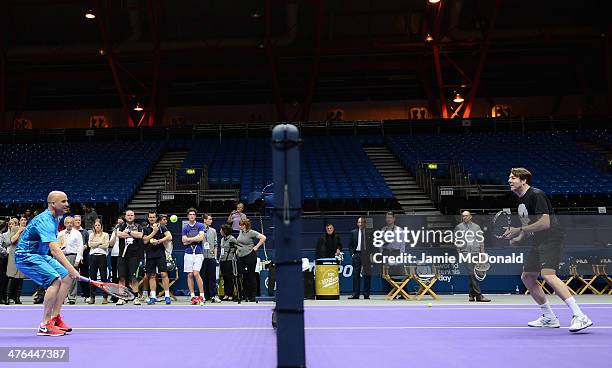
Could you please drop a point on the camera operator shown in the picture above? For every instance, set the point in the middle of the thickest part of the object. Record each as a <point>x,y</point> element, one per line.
<point>229,245</point>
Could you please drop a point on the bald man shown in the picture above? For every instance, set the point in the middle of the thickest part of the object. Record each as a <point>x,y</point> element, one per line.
<point>53,273</point>
<point>473,247</point>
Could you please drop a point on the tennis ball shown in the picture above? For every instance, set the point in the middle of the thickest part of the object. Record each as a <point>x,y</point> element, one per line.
<point>173,218</point>
<point>429,304</point>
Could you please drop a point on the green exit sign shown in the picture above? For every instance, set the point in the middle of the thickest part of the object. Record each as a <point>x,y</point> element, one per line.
<point>190,171</point>
<point>432,166</point>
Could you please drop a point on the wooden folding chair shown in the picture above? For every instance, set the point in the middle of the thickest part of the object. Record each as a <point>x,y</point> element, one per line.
<point>602,272</point>
<point>544,288</point>
<point>398,284</point>
<point>586,282</point>
<point>426,277</point>
<point>172,279</point>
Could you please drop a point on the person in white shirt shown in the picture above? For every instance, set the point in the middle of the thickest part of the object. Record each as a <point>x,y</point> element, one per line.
<point>98,243</point>
<point>71,242</point>
<point>114,246</point>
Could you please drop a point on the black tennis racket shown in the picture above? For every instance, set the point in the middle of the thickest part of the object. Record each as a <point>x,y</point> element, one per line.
<point>500,223</point>
<point>116,290</point>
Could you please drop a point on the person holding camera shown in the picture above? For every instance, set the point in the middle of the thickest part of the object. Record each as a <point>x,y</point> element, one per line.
<point>235,217</point>
<point>229,245</point>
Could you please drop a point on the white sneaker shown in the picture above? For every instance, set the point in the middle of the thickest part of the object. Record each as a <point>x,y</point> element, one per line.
<point>215,299</point>
<point>88,300</point>
<point>120,302</point>
<point>137,301</point>
<point>580,323</point>
<point>545,322</point>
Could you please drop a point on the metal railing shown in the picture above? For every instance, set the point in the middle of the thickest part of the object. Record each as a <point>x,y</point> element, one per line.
<point>198,196</point>
<point>479,191</point>
<point>427,179</point>
<point>197,181</point>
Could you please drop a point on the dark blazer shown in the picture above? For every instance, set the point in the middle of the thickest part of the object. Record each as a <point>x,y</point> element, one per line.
<point>367,247</point>
<point>328,251</point>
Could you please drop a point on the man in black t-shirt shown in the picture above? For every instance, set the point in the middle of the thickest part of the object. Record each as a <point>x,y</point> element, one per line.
<point>130,253</point>
<point>155,235</point>
<point>538,220</point>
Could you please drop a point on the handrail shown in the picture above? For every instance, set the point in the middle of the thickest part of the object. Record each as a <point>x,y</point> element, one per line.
<point>200,195</point>
<point>435,125</point>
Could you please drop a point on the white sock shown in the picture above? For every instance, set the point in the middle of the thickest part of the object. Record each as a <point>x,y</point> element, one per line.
<point>167,294</point>
<point>547,311</point>
<point>152,294</point>
<point>201,295</point>
<point>571,302</point>
<point>193,295</point>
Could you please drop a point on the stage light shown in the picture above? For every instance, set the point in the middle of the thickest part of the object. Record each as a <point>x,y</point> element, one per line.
<point>458,98</point>
<point>89,14</point>
<point>138,107</point>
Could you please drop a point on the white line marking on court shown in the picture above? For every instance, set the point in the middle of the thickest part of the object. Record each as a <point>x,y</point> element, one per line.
<point>308,309</point>
<point>328,328</point>
<point>110,309</point>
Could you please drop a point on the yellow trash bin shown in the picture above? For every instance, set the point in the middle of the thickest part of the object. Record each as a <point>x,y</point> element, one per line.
<point>326,279</point>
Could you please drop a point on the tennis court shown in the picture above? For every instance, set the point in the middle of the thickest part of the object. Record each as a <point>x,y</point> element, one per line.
<point>338,333</point>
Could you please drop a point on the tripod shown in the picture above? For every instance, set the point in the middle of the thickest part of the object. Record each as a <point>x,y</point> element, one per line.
<point>233,248</point>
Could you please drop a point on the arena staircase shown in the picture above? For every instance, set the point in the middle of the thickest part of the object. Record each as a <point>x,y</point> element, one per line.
<point>145,198</point>
<point>409,195</point>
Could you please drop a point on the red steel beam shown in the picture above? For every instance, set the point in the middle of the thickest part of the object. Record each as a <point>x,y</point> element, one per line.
<point>436,52</point>
<point>108,49</point>
<point>608,66</point>
<point>457,67</point>
<point>280,105</point>
<point>314,72</point>
<point>2,89</point>
<point>481,61</point>
<point>438,67</point>
<point>154,19</point>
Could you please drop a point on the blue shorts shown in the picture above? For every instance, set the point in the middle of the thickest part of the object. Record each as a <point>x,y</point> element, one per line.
<point>43,270</point>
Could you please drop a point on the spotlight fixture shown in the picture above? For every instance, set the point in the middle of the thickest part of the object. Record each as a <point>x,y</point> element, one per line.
<point>428,38</point>
<point>138,107</point>
<point>89,14</point>
<point>458,98</point>
<point>434,1</point>
<point>255,15</point>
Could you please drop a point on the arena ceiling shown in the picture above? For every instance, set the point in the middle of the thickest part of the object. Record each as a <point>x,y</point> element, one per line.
<point>266,51</point>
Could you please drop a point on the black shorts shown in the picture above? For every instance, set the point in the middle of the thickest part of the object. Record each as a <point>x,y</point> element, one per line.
<point>545,255</point>
<point>127,267</point>
<point>156,265</point>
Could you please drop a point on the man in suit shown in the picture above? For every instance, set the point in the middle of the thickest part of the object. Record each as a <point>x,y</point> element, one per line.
<point>360,248</point>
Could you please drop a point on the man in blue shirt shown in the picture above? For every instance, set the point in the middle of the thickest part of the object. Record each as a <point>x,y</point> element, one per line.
<point>193,234</point>
<point>53,273</point>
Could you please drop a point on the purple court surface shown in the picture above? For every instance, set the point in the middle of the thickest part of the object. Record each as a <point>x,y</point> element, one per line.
<point>341,335</point>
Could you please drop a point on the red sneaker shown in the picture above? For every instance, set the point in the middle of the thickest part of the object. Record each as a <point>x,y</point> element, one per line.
<point>194,300</point>
<point>49,329</point>
<point>59,323</point>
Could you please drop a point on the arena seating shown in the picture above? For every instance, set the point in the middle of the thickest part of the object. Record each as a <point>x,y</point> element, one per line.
<point>331,167</point>
<point>89,172</point>
<point>560,165</point>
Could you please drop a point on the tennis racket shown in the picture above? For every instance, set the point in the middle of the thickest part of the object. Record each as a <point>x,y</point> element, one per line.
<point>500,223</point>
<point>115,290</point>
<point>126,243</point>
<point>480,270</point>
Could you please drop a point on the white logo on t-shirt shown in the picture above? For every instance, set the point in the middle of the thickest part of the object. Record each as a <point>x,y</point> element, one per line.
<point>523,214</point>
